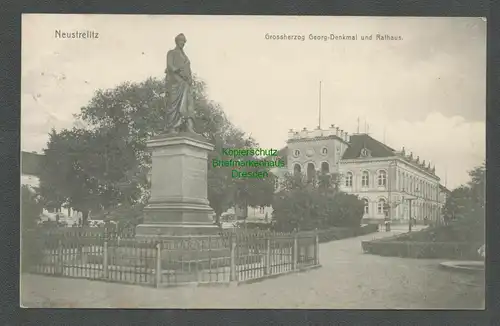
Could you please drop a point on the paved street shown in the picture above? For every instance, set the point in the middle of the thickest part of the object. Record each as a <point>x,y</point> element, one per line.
<point>348,279</point>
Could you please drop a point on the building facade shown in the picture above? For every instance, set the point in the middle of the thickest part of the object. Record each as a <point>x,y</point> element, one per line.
<point>392,183</point>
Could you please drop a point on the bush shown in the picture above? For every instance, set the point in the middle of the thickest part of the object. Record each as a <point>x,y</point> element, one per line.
<point>333,234</point>
<point>31,208</point>
<point>412,249</point>
<point>309,205</point>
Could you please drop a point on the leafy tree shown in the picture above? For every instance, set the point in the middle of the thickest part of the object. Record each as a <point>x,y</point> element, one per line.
<point>31,208</point>
<point>458,203</point>
<point>88,170</point>
<point>464,208</point>
<point>468,200</point>
<point>477,185</point>
<point>345,210</point>
<point>305,205</point>
<point>134,112</point>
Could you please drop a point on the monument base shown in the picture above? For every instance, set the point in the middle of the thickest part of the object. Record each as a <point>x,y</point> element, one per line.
<point>178,205</point>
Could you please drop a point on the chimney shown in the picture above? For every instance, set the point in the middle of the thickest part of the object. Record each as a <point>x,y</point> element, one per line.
<point>337,131</point>
<point>304,133</point>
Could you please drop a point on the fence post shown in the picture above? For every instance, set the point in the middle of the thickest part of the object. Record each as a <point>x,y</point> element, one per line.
<point>105,259</point>
<point>158,271</point>
<point>267,269</point>
<point>295,252</point>
<point>316,248</point>
<point>60,260</point>
<point>232,272</point>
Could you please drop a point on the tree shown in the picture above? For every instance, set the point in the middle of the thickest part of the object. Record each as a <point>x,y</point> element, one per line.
<point>31,207</point>
<point>477,186</point>
<point>465,208</point>
<point>88,170</point>
<point>305,205</point>
<point>133,112</point>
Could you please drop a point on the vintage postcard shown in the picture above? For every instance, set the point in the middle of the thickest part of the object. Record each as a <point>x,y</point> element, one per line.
<point>252,162</point>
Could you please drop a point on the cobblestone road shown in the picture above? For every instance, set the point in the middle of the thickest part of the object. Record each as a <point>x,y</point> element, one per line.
<point>348,279</point>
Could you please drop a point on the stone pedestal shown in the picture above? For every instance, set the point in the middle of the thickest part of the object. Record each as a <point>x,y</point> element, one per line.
<point>178,205</point>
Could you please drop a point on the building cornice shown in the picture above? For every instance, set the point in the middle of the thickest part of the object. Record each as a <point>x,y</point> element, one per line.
<point>388,159</point>
<point>311,139</point>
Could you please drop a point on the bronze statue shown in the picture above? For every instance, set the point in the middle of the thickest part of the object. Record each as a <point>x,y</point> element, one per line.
<point>180,111</point>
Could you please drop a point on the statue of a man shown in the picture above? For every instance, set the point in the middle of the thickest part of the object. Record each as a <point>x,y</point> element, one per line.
<point>180,103</point>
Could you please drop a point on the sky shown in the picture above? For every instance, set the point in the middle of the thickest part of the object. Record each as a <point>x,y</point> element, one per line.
<point>425,91</point>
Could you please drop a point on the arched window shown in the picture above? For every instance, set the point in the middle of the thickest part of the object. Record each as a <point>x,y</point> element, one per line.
<point>366,208</point>
<point>365,179</point>
<point>297,169</point>
<point>296,153</point>
<point>324,151</point>
<point>348,179</point>
<point>310,171</point>
<point>380,206</point>
<point>382,178</point>
<point>325,167</point>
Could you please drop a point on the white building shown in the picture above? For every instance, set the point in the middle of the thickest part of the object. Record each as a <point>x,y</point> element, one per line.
<point>376,173</point>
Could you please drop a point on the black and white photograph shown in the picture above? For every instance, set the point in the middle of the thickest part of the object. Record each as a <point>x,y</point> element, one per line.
<point>253,162</point>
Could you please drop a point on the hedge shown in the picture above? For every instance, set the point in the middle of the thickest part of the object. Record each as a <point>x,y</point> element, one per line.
<point>413,249</point>
<point>343,233</point>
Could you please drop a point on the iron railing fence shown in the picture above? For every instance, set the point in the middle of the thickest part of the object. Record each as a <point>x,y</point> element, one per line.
<point>170,261</point>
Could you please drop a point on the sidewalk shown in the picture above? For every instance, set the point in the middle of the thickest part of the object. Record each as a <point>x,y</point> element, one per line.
<point>348,279</point>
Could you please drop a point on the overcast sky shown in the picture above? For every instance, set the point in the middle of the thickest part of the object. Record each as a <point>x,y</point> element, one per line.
<point>427,91</point>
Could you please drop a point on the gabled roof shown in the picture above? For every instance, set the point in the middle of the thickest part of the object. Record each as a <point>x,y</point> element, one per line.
<point>444,189</point>
<point>31,163</point>
<point>374,147</point>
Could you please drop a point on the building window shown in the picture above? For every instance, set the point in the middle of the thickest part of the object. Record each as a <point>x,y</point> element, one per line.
<point>261,210</point>
<point>365,179</point>
<point>297,169</point>
<point>296,153</point>
<point>382,178</point>
<point>276,183</point>
<point>380,206</point>
<point>366,208</point>
<point>310,171</point>
<point>348,179</point>
<point>324,151</point>
<point>325,167</point>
